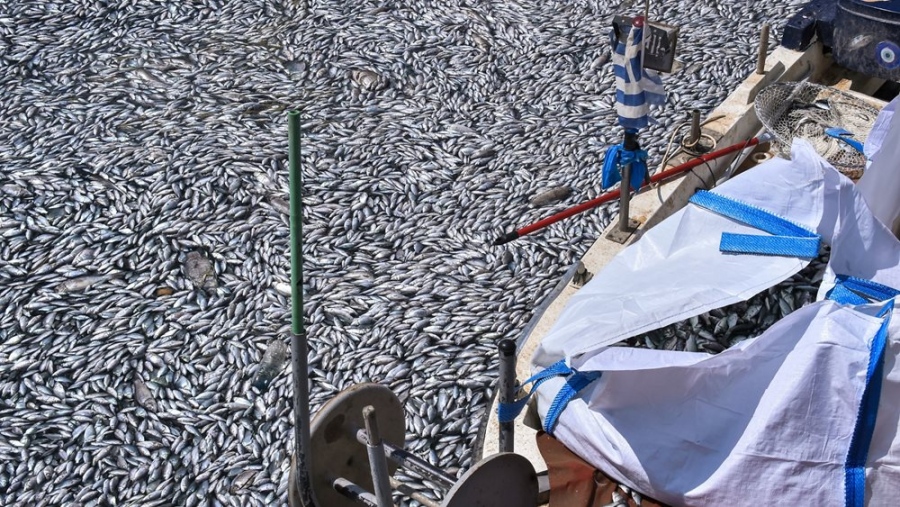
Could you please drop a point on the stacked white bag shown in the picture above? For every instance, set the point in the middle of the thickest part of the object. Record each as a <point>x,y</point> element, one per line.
<point>880,185</point>
<point>771,420</point>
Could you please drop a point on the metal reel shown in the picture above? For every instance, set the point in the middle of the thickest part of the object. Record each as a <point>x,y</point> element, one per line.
<point>334,449</point>
<point>497,481</point>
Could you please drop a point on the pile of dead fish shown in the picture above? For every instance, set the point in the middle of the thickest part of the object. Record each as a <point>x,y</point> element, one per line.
<point>718,329</point>
<point>144,236</point>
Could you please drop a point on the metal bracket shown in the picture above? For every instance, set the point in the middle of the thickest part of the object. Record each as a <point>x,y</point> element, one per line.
<point>582,275</point>
<point>619,236</point>
<point>501,479</point>
<point>333,439</point>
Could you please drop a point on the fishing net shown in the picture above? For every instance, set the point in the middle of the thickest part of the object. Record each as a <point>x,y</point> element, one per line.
<point>805,110</point>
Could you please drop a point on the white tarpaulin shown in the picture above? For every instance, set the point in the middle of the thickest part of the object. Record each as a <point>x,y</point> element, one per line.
<point>636,292</point>
<point>880,184</point>
<point>767,421</point>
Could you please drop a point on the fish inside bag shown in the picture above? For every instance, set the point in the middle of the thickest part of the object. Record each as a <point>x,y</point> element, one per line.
<point>786,417</point>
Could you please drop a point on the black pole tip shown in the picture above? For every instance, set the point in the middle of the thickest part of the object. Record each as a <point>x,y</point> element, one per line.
<point>506,238</point>
<point>506,347</point>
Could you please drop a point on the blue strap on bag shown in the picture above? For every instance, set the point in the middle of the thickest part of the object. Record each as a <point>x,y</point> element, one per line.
<point>855,291</point>
<point>788,239</point>
<point>575,382</point>
<point>850,290</point>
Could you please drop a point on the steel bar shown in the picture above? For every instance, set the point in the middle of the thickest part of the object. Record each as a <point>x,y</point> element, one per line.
<point>299,346</point>
<point>763,50</point>
<point>695,128</point>
<point>624,198</point>
<point>407,490</point>
<point>354,492</point>
<point>403,457</point>
<point>630,144</point>
<point>507,390</point>
<point>377,459</point>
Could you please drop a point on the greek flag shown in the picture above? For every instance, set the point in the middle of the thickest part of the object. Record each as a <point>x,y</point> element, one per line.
<point>636,88</point>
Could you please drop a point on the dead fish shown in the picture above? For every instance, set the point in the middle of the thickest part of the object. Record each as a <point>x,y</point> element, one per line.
<point>242,480</point>
<point>199,270</point>
<point>281,205</point>
<point>143,396</point>
<point>79,284</point>
<point>271,364</point>
<point>552,195</point>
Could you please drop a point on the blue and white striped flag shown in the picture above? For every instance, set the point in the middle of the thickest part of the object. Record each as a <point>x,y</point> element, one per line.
<point>636,88</point>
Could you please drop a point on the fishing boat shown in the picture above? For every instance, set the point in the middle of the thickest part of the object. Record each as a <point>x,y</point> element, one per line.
<point>348,452</point>
<point>736,119</point>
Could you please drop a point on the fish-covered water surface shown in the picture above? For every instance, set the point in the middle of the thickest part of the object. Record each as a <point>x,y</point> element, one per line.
<point>144,260</point>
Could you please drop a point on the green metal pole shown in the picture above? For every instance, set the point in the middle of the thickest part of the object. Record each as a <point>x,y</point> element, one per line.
<point>299,347</point>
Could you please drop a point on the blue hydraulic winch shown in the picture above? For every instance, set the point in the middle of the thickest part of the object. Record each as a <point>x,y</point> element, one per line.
<point>864,35</point>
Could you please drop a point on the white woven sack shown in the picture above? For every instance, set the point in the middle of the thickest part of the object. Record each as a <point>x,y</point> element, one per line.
<point>769,420</point>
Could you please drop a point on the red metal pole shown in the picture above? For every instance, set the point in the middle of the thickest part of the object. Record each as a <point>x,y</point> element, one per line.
<point>614,194</point>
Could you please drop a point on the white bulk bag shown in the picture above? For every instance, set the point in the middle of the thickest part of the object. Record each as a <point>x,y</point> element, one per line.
<point>676,269</point>
<point>769,420</point>
<point>880,183</point>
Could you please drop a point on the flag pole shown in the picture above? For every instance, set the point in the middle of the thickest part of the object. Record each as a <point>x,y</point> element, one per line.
<point>630,146</point>
<point>630,143</point>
